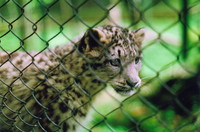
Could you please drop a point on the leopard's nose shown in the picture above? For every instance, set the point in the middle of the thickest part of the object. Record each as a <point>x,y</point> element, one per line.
<point>131,84</point>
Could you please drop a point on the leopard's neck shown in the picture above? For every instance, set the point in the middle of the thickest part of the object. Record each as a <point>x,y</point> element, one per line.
<point>73,63</point>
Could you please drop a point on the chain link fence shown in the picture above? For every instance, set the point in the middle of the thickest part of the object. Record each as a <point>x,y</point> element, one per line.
<point>169,98</point>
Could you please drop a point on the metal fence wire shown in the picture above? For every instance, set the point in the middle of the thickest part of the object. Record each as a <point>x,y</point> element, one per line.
<point>44,71</point>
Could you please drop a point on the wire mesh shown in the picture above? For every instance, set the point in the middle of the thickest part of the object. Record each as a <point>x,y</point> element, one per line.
<point>37,76</point>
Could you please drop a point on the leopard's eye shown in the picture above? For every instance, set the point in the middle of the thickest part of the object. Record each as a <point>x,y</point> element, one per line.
<point>137,59</point>
<point>115,62</point>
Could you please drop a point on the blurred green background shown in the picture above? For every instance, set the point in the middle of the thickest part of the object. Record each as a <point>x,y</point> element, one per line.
<point>40,24</point>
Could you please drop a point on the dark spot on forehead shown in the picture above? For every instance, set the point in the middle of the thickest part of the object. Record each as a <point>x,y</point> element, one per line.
<point>116,32</point>
<point>119,53</point>
<point>125,30</point>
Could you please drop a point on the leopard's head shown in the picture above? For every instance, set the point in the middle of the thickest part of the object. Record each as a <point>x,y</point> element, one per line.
<point>114,55</point>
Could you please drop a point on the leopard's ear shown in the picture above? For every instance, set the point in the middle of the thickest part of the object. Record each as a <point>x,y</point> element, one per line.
<point>139,36</point>
<point>93,42</point>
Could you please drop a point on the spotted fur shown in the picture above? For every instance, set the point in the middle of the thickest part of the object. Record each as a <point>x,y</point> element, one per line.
<point>52,90</point>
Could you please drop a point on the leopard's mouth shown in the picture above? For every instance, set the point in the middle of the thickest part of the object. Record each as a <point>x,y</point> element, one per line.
<point>125,90</point>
